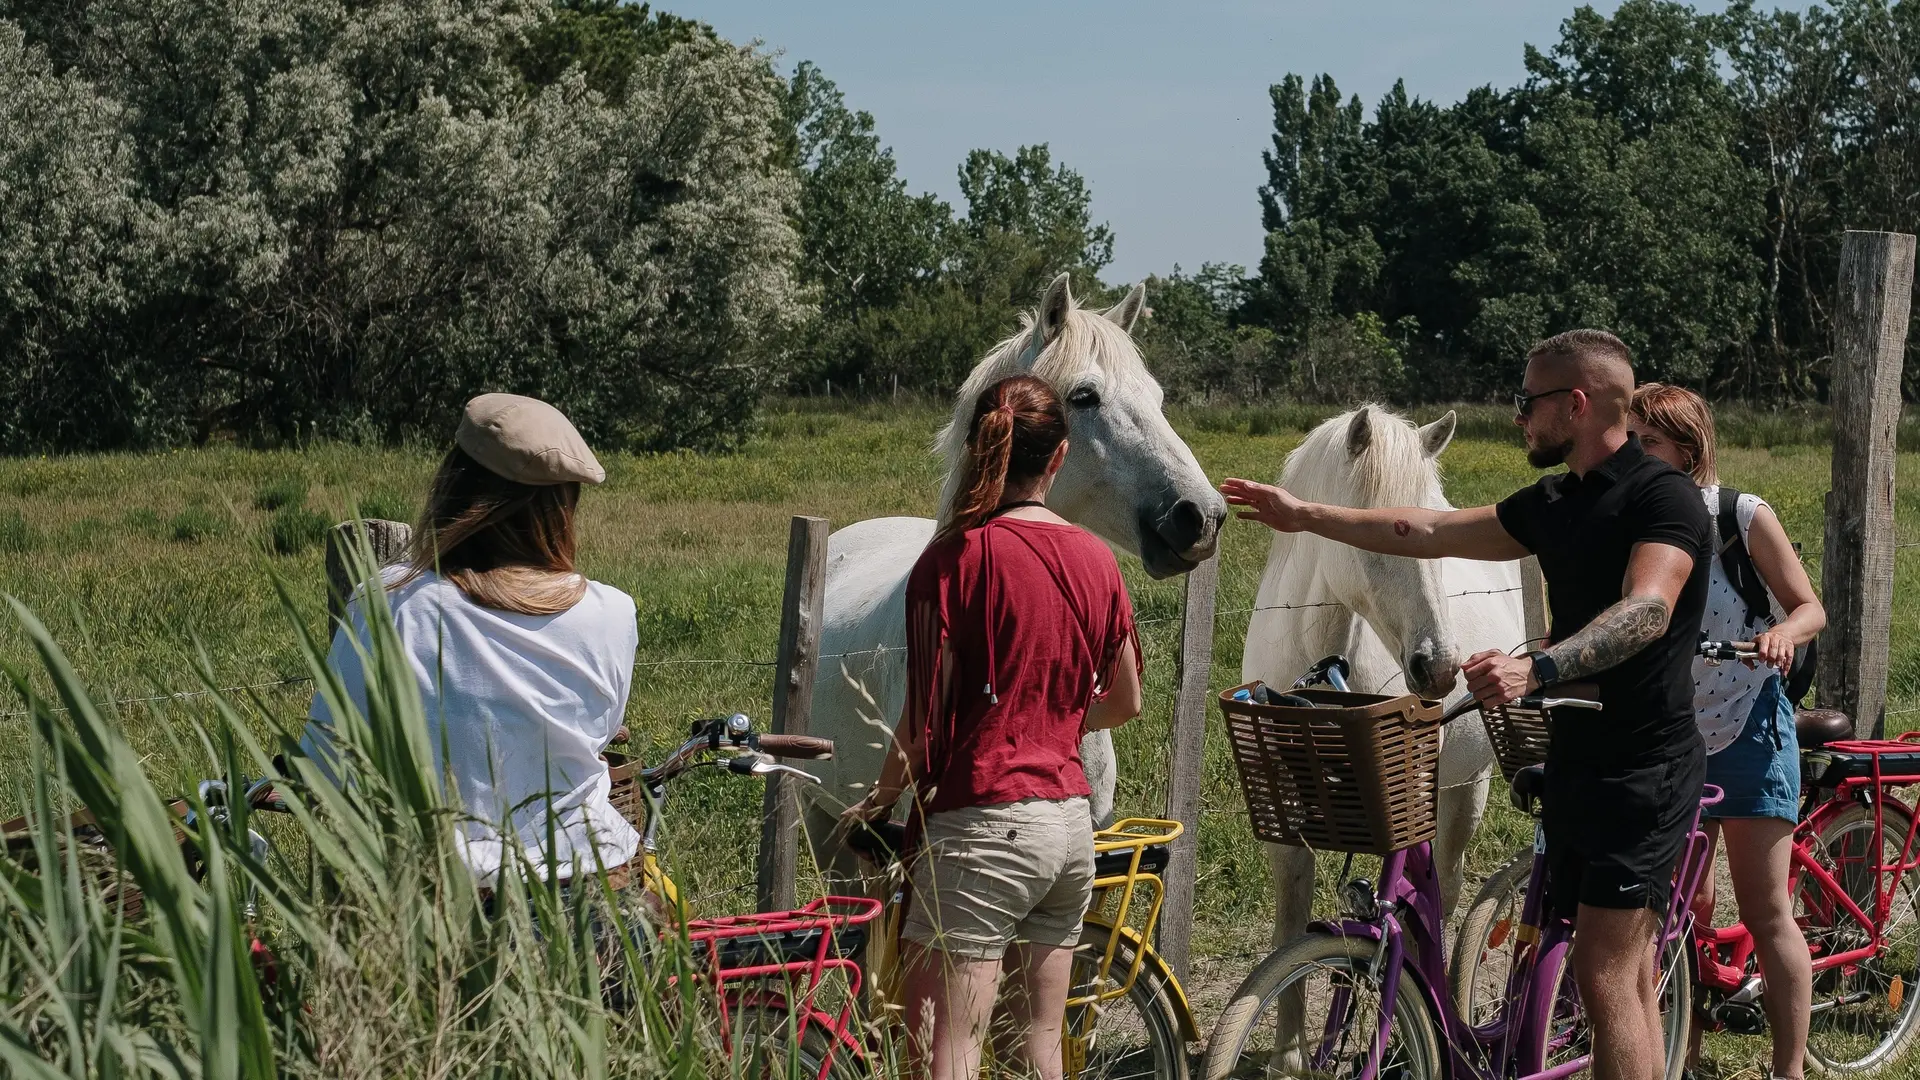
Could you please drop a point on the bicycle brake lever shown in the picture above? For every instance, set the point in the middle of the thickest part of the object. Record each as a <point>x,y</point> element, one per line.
<point>762,765</point>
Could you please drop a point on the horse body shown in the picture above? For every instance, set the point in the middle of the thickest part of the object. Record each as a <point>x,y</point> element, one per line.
<point>1127,478</point>
<point>1402,623</point>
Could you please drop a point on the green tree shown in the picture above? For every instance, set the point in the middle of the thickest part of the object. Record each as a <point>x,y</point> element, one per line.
<point>867,243</point>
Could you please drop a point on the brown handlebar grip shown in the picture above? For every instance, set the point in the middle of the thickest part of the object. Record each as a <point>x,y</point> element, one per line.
<point>796,746</point>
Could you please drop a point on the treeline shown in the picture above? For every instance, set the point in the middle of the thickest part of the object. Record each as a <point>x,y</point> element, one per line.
<point>315,219</point>
<point>1681,178</point>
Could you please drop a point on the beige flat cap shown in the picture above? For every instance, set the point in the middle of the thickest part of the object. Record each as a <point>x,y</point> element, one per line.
<point>526,440</point>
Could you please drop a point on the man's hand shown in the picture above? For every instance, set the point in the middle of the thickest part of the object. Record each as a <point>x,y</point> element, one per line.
<point>1495,678</point>
<point>1274,507</point>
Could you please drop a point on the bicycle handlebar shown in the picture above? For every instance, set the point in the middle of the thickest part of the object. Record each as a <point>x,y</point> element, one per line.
<point>1533,702</point>
<point>1716,651</point>
<point>796,746</point>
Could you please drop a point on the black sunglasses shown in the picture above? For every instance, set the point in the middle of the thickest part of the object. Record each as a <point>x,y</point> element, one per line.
<point>1523,401</point>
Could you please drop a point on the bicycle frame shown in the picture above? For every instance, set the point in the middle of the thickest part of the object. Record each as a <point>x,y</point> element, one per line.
<point>1523,1030</point>
<point>1407,906</point>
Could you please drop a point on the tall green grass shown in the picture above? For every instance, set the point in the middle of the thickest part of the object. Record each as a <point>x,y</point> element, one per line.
<point>373,952</point>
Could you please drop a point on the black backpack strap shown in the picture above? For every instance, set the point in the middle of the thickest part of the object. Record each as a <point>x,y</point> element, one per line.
<point>1738,564</point>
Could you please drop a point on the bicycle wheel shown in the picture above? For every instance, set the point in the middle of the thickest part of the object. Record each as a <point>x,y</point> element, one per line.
<point>1134,1035</point>
<point>1863,1015</point>
<point>1483,951</point>
<point>1312,1010</point>
<point>764,1047</point>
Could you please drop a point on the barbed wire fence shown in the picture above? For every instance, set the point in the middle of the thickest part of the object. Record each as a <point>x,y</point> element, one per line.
<point>734,661</point>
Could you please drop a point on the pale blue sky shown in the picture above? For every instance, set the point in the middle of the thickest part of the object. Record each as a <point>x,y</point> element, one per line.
<point>1163,107</point>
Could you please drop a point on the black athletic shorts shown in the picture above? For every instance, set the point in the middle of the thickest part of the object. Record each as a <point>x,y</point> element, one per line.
<point>1614,835</point>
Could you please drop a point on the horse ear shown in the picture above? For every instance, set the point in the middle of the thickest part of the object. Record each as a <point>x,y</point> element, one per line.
<point>1054,307</point>
<point>1434,437</point>
<point>1125,313</point>
<point>1360,431</point>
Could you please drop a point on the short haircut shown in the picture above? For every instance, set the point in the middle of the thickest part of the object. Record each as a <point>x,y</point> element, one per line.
<point>1583,345</point>
<point>1687,422</point>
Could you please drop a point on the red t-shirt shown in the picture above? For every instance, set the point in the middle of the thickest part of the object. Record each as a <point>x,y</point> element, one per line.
<point>1035,613</point>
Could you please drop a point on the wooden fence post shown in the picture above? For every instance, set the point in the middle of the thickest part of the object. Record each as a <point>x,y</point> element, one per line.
<point>1533,601</point>
<point>1856,563</point>
<point>389,540</point>
<point>1189,755</point>
<point>793,674</point>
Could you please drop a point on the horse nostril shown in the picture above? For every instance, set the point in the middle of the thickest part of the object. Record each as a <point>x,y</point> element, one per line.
<point>1186,526</point>
<point>1421,670</point>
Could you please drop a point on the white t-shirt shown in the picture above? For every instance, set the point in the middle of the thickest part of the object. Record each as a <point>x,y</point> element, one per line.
<point>528,702</point>
<point>1724,694</point>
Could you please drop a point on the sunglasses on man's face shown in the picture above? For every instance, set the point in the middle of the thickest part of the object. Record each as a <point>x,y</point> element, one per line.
<point>1523,401</point>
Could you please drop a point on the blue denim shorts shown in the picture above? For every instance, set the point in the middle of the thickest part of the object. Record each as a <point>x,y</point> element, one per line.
<point>1760,771</point>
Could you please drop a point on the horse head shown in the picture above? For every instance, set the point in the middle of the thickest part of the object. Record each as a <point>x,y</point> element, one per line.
<point>1128,478</point>
<point>1371,458</point>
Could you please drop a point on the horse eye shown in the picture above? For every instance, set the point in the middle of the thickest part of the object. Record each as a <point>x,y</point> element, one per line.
<point>1084,398</point>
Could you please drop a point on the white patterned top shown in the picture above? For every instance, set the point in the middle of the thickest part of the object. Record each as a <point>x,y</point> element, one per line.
<point>1724,694</point>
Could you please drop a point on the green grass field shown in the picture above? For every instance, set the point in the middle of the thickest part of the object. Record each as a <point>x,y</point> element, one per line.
<point>146,566</point>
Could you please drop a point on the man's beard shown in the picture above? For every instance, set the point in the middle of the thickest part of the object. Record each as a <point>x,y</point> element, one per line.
<point>1546,457</point>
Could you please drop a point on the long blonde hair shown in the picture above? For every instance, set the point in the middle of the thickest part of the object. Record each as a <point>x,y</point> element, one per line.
<point>1685,419</point>
<point>506,545</point>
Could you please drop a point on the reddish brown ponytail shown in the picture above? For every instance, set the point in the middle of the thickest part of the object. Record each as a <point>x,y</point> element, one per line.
<point>1018,423</point>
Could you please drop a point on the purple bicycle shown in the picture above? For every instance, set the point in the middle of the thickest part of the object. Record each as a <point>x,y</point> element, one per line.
<point>1367,996</point>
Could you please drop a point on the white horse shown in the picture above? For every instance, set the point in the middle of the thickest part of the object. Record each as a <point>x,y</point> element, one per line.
<point>1402,623</point>
<point>1128,479</point>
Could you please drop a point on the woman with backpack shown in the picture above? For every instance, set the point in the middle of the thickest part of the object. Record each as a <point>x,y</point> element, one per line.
<point>1759,592</point>
<point>1020,639</point>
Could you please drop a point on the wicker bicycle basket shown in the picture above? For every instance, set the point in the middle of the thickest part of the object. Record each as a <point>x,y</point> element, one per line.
<point>1519,737</point>
<point>1358,773</point>
<point>625,793</point>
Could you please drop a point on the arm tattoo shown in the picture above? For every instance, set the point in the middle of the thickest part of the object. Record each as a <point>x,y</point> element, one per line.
<point>1613,636</point>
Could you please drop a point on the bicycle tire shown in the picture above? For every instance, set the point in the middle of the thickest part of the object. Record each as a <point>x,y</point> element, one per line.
<point>1881,1037</point>
<point>1497,902</point>
<point>1234,1039</point>
<point>764,1048</point>
<point>1155,1041</point>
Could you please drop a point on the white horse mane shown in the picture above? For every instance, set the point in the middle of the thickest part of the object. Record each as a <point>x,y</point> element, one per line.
<point>1088,341</point>
<point>1392,470</point>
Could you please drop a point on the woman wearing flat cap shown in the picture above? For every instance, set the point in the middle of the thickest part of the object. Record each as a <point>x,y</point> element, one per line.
<point>523,664</point>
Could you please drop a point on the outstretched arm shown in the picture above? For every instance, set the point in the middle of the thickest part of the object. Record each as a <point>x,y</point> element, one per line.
<point>1655,575</point>
<point>1475,533</point>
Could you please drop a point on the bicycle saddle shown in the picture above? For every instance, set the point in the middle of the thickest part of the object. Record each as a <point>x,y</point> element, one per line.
<point>1529,784</point>
<point>1818,727</point>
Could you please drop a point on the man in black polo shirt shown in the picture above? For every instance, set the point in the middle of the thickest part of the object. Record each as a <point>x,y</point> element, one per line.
<point>1622,541</point>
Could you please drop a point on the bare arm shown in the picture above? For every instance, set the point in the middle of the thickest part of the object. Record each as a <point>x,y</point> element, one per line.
<point>1786,579</point>
<point>1655,575</point>
<point>1122,700</point>
<point>1474,533</point>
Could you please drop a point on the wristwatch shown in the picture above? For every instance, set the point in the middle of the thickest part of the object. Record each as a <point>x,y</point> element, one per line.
<point>1545,671</point>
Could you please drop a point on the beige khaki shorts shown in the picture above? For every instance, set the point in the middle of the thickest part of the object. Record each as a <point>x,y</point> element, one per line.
<point>988,876</point>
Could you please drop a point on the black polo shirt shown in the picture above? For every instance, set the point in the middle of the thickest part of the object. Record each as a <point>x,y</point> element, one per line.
<point>1584,530</point>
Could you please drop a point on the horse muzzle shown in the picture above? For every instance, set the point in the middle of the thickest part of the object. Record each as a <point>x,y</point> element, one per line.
<point>1182,537</point>
<point>1431,675</point>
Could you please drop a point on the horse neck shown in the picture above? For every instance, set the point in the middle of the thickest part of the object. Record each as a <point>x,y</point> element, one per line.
<point>1295,607</point>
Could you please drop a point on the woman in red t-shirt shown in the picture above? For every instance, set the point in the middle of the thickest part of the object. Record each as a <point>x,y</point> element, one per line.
<point>1020,639</point>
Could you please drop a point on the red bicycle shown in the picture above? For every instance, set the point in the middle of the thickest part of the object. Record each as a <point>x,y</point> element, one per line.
<point>1853,854</point>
